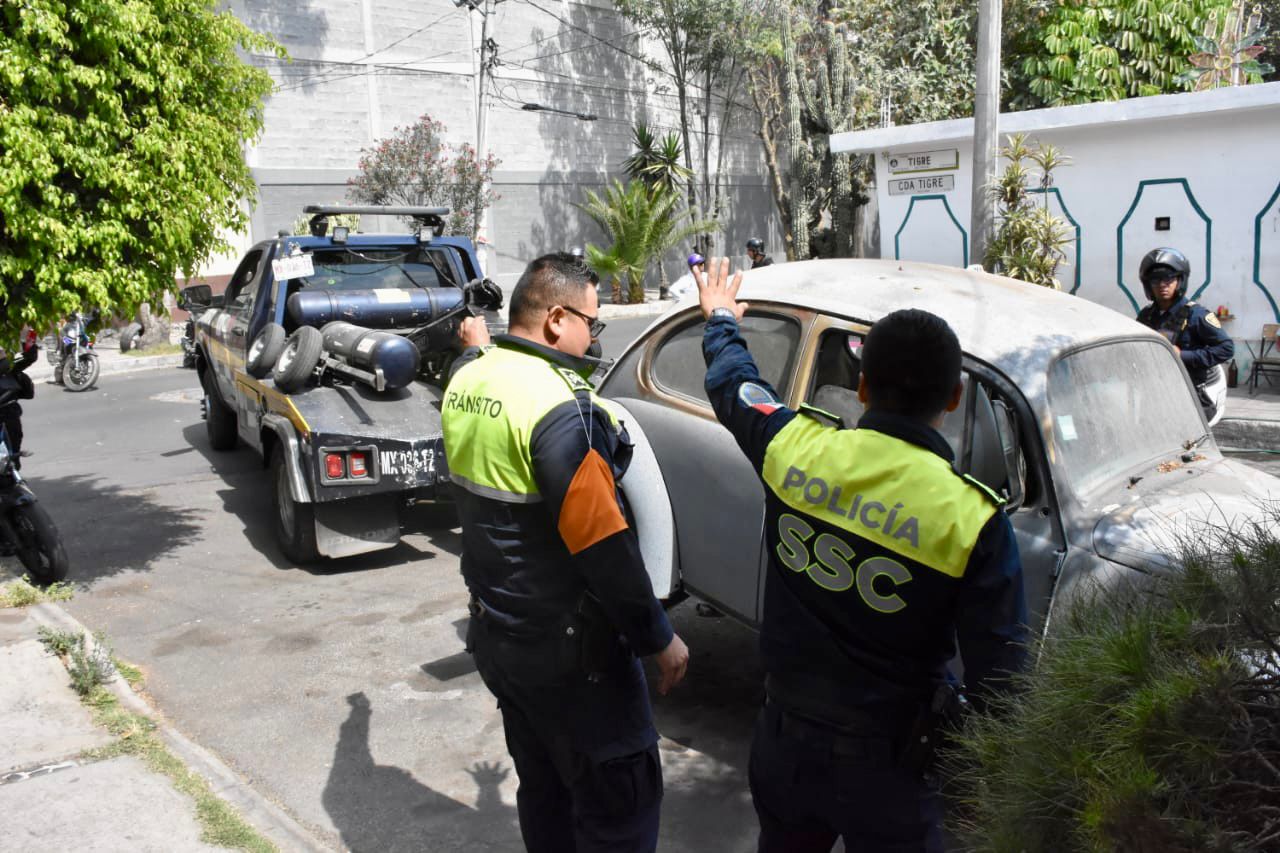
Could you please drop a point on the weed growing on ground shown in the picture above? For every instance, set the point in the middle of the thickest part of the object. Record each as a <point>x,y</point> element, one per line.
<point>22,593</point>
<point>60,643</point>
<point>136,735</point>
<point>90,666</point>
<point>128,672</point>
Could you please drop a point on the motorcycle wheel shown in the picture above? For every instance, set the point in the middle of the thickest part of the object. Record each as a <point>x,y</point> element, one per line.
<point>83,374</point>
<point>39,546</point>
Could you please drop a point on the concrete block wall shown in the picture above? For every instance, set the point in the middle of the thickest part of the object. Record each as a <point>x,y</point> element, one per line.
<point>361,68</point>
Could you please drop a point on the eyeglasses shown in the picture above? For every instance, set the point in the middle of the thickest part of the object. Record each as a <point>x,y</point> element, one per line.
<point>594,326</point>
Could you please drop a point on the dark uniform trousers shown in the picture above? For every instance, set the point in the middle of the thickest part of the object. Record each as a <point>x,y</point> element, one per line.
<point>805,774</point>
<point>590,775</point>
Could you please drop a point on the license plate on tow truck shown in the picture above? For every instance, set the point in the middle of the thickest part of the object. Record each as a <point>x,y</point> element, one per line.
<point>421,464</point>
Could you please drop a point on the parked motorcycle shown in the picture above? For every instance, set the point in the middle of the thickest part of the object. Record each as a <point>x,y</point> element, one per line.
<point>26,530</point>
<point>75,364</point>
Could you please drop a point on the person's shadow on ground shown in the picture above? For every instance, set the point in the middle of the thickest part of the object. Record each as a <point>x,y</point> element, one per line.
<point>381,808</point>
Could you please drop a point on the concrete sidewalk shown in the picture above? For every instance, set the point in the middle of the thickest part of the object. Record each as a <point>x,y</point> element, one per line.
<point>111,360</point>
<point>55,796</point>
<point>1251,421</point>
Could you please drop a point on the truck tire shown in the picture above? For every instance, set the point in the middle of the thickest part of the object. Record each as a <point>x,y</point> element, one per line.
<point>219,419</point>
<point>265,350</point>
<point>129,336</point>
<point>300,356</point>
<point>295,522</point>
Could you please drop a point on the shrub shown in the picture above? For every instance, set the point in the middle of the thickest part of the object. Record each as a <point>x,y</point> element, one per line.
<point>1151,721</point>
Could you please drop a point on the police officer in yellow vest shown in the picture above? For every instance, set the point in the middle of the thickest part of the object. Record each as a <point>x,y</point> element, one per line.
<point>881,557</point>
<point>561,604</point>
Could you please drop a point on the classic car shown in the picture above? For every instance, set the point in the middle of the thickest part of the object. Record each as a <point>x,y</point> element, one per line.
<point>1084,420</point>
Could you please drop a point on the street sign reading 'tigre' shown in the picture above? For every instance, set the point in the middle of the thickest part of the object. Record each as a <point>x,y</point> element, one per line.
<point>924,161</point>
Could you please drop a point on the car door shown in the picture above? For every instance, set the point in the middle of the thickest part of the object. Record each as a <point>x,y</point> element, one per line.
<point>716,497</point>
<point>993,435</point>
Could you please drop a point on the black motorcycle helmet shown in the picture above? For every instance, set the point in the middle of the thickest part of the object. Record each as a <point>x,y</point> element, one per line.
<point>755,244</point>
<point>1162,263</point>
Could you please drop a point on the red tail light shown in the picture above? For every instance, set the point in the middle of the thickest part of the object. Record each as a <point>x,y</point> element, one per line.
<point>333,467</point>
<point>356,464</point>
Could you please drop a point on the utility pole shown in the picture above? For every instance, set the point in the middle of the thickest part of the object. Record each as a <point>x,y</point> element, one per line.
<point>986,133</point>
<point>486,59</point>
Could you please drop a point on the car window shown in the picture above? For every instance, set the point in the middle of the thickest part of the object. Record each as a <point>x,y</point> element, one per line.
<point>988,451</point>
<point>1116,406</point>
<point>773,340</point>
<point>243,285</point>
<point>369,269</point>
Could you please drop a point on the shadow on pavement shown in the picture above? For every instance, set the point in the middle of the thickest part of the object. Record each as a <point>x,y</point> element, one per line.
<point>248,498</point>
<point>377,807</point>
<point>107,530</point>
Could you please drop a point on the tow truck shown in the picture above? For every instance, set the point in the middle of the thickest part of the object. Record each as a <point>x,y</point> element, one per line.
<point>326,355</point>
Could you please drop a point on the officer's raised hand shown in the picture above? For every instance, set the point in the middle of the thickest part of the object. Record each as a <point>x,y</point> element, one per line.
<point>672,663</point>
<point>717,290</point>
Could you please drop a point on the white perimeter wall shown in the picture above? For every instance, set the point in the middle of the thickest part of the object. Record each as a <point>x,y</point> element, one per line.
<point>1209,161</point>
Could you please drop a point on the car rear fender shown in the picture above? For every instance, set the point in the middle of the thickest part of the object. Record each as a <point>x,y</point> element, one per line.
<point>277,428</point>
<point>645,491</point>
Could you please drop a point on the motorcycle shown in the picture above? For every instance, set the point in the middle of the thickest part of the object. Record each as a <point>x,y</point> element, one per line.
<point>26,530</point>
<point>75,364</point>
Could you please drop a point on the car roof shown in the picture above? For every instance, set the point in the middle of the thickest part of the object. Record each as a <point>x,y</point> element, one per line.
<point>1017,327</point>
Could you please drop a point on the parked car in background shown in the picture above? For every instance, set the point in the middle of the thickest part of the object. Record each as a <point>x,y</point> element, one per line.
<point>1083,419</point>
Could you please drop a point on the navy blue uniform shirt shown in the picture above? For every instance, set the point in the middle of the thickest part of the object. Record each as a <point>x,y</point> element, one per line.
<point>1195,331</point>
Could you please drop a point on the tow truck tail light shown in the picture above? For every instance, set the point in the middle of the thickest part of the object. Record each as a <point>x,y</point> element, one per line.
<point>356,464</point>
<point>333,467</point>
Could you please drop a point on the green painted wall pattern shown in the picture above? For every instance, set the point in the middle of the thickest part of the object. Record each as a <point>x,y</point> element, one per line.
<point>1257,252</point>
<point>964,235</point>
<point>1195,205</point>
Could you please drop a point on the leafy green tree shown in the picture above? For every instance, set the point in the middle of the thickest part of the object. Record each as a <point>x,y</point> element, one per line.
<point>643,223</point>
<point>1029,243</point>
<point>1081,51</point>
<point>122,126</point>
<point>415,166</point>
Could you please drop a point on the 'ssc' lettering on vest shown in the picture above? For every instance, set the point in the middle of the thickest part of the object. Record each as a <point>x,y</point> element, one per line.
<point>473,404</point>
<point>832,569</point>
<point>872,515</point>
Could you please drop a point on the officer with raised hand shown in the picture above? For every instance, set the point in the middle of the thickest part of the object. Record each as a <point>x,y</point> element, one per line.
<point>561,604</point>
<point>881,556</point>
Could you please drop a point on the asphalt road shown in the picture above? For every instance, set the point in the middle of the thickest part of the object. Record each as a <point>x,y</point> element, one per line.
<point>341,692</point>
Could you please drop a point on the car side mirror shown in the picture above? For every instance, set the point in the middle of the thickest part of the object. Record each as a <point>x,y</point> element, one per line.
<point>197,295</point>
<point>1007,429</point>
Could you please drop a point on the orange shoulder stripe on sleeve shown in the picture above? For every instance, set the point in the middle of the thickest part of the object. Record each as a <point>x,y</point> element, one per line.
<point>590,510</point>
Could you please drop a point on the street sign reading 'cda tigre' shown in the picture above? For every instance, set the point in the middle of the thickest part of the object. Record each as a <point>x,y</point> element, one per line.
<point>922,184</point>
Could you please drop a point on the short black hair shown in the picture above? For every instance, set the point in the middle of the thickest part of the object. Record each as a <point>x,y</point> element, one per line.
<point>559,278</point>
<point>911,360</point>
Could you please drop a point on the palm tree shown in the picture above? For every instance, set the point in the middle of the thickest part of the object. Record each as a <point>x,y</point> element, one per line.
<point>643,223</point>
<point>656,161</point>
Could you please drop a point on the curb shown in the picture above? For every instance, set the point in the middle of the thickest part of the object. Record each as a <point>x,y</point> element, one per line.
<point>113,366</point>
<point>267,817</point>
<point>1247,434</point>
<point>640,309</point>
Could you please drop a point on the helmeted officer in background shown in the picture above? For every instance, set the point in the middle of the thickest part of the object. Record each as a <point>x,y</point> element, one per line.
<point>881,556</point>
<point>1200,339</point>
<point>561,604</point>
<point>755,251</point>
